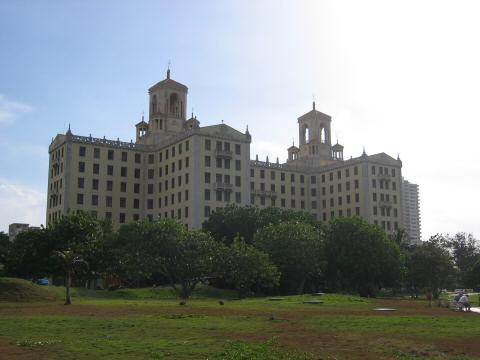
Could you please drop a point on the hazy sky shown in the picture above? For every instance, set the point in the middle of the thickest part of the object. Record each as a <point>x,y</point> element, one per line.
<point>396,77</point>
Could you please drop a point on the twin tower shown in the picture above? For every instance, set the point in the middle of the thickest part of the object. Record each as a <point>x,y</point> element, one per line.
<point>167,116</point>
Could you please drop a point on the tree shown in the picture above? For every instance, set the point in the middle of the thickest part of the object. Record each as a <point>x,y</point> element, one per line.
<point>29,255</point>
<point>295,248</point>
<point>360,257</point>
<point>165,246</point>
<point>5,245</point>
<point>70,263</point>
<point>244,267</point>
<point>226,223</point>
<point>83,235</point>
<point>465,252</point>
<point>429,267</point>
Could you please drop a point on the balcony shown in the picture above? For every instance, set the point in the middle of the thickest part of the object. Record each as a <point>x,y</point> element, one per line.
<point>223,154</point>
<point>222,186</point>
<point>385,203</point>
<point>265,193</point>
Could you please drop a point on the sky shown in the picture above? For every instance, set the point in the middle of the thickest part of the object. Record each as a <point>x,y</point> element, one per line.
<point>400,77</point>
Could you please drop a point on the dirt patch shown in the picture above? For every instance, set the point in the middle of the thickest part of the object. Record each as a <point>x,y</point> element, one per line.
<point>10,351</point>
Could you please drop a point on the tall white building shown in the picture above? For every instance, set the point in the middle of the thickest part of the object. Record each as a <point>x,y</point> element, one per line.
<point>411,211</point>
<point>179,169</point>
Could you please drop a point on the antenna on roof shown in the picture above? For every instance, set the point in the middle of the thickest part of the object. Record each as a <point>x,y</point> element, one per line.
<point>313,99</point>
<point>168,69</point>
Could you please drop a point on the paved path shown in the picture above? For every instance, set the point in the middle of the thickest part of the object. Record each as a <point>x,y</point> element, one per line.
<point>475,310</point>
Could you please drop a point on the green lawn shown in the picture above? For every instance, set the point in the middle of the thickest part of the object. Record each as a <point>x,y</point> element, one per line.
<point>150,324</point>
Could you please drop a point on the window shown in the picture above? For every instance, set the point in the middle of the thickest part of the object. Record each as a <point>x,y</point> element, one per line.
<point>82,151</point>
<point>136,188</point>
<point>227,164</point>
<point>339,200</point>
<point>187,145</point>
<point>96,168</point>
<point>292,203</point>
<point>150,188</point>
<point>124,156</point>
<point>355,170</point>
<point>313,179</point>
<point>110,170</point>
<point>282,176</point>
<point>138,158</point>
<point>252,173</point>
<point>237,181</point>
<point>302,191</point>
<point>262,174</point>
<point>109,185</point>
<point>219,163</point>
<point>122,218</point>
<point>186,178</point>
<point>292,190</point>
<point>207,211</point>
<point>95,184</point>
<point>292,177</point>
<point>151,158</point>
<point>339,174</point>
<point>356,184</point>
<point>96,153</point>
<point>150,204</point>
<point>187,162</point>
<point>80,199</point>
<point>238,165</point>
<point>179,149</point>
<point>123,202</point>
<point>313,192</point>
<point>108,215</point>
<point>314,205</point>
<point>136,203</point>
<point>136,173</point>
<point>186,195</point>
<point>272,175</point>
<point>208,146</point>
<point>393,172</point>
<point>81,167</point>
<point>331,176</point>
<point>323,178</point>
<point>331,189</point>
<point>108,201</point>
<point>374,196</point>
<point>94,200</point>
<point>331,202</point>
<point>348,199</point>
<point>207,194</point>
<point>151,173</point>
<point>339,187</point>
<point>394,185</point>
<point>110,155</point>
<point>123,187</point>
<point>238,197</point>
<point>282,189</point>
<point>173,151</point>
<point>218,195</point>
<point>207,178</point>
<point>357,211</point>
<point>357,197</point>
<point>374,183</point>
<point>373,170</point>
<point>123,171</point>
<point>81,183</point>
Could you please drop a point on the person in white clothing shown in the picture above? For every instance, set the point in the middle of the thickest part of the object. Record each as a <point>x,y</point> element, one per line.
<point>465,302</point>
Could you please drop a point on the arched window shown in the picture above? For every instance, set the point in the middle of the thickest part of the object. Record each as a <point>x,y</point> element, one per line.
<point>174,104</point>
<point>307,134</point>
<point>154,104</point>
<point>323,136</point>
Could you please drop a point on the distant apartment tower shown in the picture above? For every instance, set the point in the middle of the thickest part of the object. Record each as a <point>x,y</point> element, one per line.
<point>16,228</point>
<point>411,211</point>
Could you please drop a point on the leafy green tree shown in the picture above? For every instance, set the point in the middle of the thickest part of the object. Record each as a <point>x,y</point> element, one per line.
<point>226,223</point>
<point>295,248</point>
<point>29,255</point>
<point>165,246</point>
<point>83,235</point>
<point>465,251</point>
<point>245,267</point>
<point>4,249</point>
<point>429,267</point>
<point>70,263</point>
<point>360,256</point>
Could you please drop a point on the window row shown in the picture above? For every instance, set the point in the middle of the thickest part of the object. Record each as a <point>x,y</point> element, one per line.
<point>222,145</point>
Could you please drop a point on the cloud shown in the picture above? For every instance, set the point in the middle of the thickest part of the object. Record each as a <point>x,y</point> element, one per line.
<point>20,203</point>
<point>10,110</point>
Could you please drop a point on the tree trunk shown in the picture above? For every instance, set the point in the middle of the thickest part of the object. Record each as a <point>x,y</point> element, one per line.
<point>68,298</point>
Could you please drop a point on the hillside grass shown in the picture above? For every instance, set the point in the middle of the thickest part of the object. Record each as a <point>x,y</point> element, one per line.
<point>149,323</point>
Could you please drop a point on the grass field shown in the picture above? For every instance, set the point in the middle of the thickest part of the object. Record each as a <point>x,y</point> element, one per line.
<point>150,324</point>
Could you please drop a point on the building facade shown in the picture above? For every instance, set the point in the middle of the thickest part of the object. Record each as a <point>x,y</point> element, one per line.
<point>178,169</point>
<point>411,211</point>
<point>16,228</point>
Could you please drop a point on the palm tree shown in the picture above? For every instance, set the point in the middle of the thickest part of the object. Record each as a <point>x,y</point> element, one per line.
<point>70,262</point>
